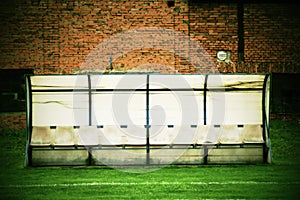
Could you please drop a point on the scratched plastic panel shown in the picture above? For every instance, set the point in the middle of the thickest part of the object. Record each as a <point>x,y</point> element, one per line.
<point>235,81</point>
<point>118,81</point>
<point>119,108</point>
<point>234,107</point>
<point>175,107</point>
<point>176,82</point>
<point>56,82</point>
<point>59,109</point>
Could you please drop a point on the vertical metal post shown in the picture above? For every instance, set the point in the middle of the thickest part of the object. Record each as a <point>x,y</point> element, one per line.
<point>147,123</point>
<point>204,99</point>
<point>266,128</point>
<point>90,115</point>
<point>204,117</point>
<point>28,157</point>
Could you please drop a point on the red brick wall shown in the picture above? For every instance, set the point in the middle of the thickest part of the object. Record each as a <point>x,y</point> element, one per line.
<point>13,121</point>
<point>215,27</point>
<point>56,36</point>
<point>272,35</point>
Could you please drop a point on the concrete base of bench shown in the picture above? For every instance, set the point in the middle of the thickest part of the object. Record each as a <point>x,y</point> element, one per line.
<point>63,157</point>
<point>116,156</point>
<point>250,155</point>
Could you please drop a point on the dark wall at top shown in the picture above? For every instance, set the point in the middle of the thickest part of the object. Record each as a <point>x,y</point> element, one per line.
<point>285,95</point>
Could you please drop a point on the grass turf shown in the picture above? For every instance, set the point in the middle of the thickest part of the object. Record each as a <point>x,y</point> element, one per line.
<point>279,180</point>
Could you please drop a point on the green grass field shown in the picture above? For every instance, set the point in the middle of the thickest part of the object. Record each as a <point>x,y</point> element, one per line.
<point>280,180</point>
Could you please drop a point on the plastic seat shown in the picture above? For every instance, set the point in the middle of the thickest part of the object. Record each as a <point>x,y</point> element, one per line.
<point>161,135</point>
<point>185,135</point>
<point>135,134</point>
<point>230,134</point>
<point>202,131</point>
<point>41,136</point>
<point>123,135</point>
<point>209,134</point>
<point>88,136</point>
<point>65,136</point>
<point>113,136</point>
<point>252,133</point>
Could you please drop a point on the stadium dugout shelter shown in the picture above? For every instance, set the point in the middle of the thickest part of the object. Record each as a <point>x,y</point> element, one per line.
<point>147,119</point>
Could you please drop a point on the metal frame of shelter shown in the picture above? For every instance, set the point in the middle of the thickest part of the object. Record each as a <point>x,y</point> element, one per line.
<point>147,119</point>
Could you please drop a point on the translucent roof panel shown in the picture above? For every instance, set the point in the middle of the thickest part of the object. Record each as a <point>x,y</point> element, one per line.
<point>175,107</point>
<point>119,81</point>
<point>235,81</point>
<point>234,108</point>
<point>230,99</point>
<point>59,109</point>
<point>120,108</point>
<point>59,82</point>
<point>176,81</point>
